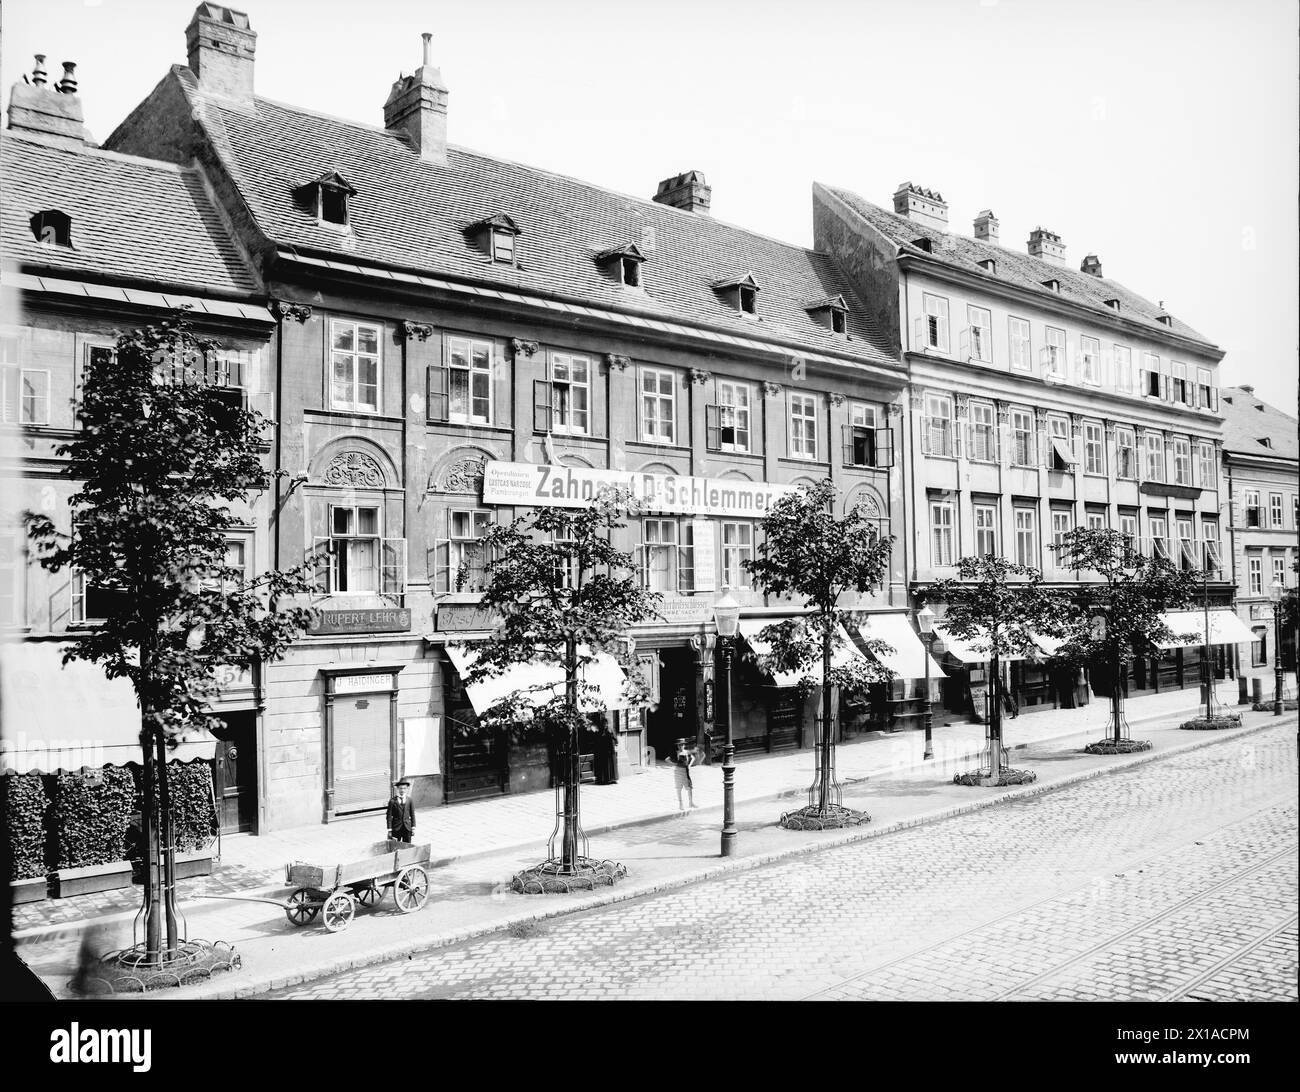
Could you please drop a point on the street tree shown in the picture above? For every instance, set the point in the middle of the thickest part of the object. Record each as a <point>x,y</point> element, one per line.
<point>810,555</point>
<point>162,454</point>
<point>1116,616</point>
<point>998,607</point>
<point>563,594</point>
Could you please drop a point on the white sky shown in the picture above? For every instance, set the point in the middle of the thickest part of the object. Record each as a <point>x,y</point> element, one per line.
<point>1160,134</point>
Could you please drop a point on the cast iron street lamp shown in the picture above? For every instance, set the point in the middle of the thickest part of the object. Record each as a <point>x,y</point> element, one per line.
<point>726,615</point>
<point>1276,592</point>
<point>925,622</point>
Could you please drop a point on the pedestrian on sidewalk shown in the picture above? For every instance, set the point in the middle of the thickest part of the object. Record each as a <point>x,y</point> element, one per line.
<point>401,813</point>
<point>606,747</point>
<point>682,762</point>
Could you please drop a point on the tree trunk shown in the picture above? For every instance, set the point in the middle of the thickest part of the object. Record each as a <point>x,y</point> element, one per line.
<point>572,779</point>
<point>168,847</point>
<point>1117,699</point>
<point>826,742</point>
<point>995,715</point>
<point>149,844</point>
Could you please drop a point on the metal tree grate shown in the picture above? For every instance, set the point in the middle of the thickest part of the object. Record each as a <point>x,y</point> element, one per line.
<point>832,814</point>
<point>136,970</point>
<point>1117,740</point>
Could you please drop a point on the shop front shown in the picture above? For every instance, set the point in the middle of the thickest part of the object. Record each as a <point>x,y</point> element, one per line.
<point>1029,683</point>
<point>361,756</point>
<point>1179,664</point>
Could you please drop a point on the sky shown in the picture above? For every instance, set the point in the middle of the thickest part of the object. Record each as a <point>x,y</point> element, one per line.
<point>1159,134</point>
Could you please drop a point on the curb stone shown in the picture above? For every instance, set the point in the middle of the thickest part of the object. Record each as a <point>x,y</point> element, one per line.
<point>628,892</point>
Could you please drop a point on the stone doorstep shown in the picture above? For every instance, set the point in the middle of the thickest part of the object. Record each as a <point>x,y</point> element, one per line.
<point>629,891</point>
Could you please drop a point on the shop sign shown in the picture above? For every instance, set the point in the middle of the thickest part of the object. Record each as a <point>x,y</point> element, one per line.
<point>387,620</point>
<point>682,610</point>
<point>704,542</point>
<point>362,684</point>
<point>464,617</point>
<point>577,487</point>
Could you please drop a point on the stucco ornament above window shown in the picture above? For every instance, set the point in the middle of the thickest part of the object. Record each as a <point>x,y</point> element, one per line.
<point>355,469</point>
<point>465,476</point>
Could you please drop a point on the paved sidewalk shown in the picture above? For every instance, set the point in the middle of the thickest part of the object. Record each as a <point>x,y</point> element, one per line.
<point>254,864</point>
<point>470,896</point>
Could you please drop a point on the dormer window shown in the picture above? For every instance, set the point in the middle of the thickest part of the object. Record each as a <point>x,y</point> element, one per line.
<point>1052,284</point>
<point>1168,320</point>
<point>988,265</point>
<point>923,244</point>
<point>1113,304</point>
<point>623,263</point>
<point>630,272</point>
<point>326,198</point>
<point>497,236</point>
<point>740,292</point>
<point>831,312</point>
<point>748,299</point>
<point>52,228</point>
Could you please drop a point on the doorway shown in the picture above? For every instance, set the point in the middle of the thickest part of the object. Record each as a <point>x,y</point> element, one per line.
<point>675,717</point>
<point>234,773</point>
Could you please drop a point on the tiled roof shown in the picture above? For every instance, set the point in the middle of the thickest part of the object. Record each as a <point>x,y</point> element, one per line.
<point>411,214</point>
<point>1013,267</point>
<point>1247,420</point>
<point>132,219</point>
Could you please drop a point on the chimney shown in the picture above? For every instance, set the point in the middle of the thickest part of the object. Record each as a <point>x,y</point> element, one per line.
<point>1046,245</point>
<point>925,207</point>
<point>686,191</point>
<point>221,45</point>
<point>1091,265</point>
<point>417,105</point>
<point>54,111</point>
<point>986,227</point>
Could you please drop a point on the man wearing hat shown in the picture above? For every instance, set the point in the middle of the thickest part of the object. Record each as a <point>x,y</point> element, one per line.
<point>401,813</point>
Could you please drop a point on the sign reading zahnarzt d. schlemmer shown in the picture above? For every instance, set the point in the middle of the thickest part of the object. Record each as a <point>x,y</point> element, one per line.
<point>577,487</point>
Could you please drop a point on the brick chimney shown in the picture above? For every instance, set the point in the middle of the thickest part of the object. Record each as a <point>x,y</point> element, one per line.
<point>221,45</point>
<point>54,111</point>
<point>417,106</point>
<point>926,207</point>
<point>686,191</point>
<point>986,227</point>
<point>1091,265</point>
<point>1046,245</point>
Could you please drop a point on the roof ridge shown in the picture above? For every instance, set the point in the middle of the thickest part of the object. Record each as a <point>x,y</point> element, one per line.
<point>101,153</point>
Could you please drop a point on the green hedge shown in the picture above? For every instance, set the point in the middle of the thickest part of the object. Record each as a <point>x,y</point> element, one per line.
<point>194,820</point>
<point>88,821</point>
<point>24,821</point>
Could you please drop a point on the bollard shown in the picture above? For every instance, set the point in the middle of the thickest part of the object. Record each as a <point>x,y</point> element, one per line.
<point>1257,687</point>
<point>1243,696</point>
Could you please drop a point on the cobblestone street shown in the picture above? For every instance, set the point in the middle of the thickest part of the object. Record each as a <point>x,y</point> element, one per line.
<point>1172,881</point>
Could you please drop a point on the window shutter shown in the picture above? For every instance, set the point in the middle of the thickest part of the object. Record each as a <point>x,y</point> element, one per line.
<point>920,337</point>
<point>964,344</point>
<point>943,334</point>
<point>685,568</point>
<point>883,448</point>
<point>1214,399</point>
<point>1164,386</point>
<point>846,439</point>
<point>439,385</point>
<point>1144,383</point>
<point>392,572</point>
<point>39,382</point>
<point>321,573</point>
<point>541,405</point>
<point>440,564</point>
<point>645,564</point>
<point>713,428</point>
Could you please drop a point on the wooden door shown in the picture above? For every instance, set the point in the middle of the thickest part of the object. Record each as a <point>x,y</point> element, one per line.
<point>234,774</point>
<point>362,752</point>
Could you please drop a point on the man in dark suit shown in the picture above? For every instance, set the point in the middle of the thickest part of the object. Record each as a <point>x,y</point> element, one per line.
<point>401,813</point>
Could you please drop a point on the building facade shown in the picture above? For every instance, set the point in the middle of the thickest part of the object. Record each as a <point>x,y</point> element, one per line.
<point>1041,398</point>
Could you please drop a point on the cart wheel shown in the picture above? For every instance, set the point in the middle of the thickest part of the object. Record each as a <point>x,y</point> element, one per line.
<point>370,896</point>
<point>301,909</point>
<point>411,889</point>
<point>339,910</point>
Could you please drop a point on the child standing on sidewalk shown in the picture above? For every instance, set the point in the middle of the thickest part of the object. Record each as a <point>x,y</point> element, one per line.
<point>682,762</point>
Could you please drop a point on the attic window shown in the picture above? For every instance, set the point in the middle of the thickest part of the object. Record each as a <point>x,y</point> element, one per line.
<point>496,236</point>
<point>333,205</point>
<point>1052,284</point>
<point>630,271</point>
<point>623,263</point>
<point>1168,320</point>
<point>831,312</point>
<point>52,228</point>
<point>503,246</point>
<point>838,321</point>
<point>327,198</point>
<point>923,244</point>
<point>1266,441</point>
<point>740,292</point>
<point>988,265</point>
<point>1113,304</point>
<point>748,299</point>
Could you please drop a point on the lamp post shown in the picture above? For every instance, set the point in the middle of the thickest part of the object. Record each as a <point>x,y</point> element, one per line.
<point>1276,591</point>
<point>726,615</point>
<point>925,623</point>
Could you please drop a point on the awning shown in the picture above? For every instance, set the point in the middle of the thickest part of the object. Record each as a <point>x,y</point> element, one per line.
<point>842,654</point>
<point>1049,645</point>
<point>542,681</point>
<point>1225,628</point>
<point>972,650</point>
<point>1063,451</point>
<point>907,661</point>
<point>64,717</point>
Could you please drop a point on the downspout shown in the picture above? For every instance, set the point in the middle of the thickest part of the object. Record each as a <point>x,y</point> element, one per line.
<point>1232,545</point>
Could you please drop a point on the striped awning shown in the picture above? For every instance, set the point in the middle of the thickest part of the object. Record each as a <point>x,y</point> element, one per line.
<point>844,652</point>
<point>1225,628</point>
<point>542,682</point>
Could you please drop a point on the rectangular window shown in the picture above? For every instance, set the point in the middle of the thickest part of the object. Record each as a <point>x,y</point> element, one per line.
<point>24,392</point>
<point>1279,571</point>
<point>570,394</point>
<point>469,381</point>
<point>941,533</point>
<point>1159,536</point>
<point>937,426</point>
<point>1062,523</point>
<point>1022,438</point>
<point>934,330</point>
<point>1125,454</point>
<point>1254,516</point>
<point>1182,462</point>
<point>667,556</point>
<point>1060,455</point>
<point>737,548</point>
<point>1255,565</point>
<point>1090,359</point>
<point>1155,466</point>
<point>91,603</point>
<point>503,247</point>
<point>1026,525</point>
<point>979,335</point>
<point>986,529</point>
<point>734,416</point>
<point>861,435</point>
<point>1275,510</point>
<point>1207,395</point>
<point>1207,478</point>
<point>1179,388</point>
<point>983,433</point>
<point>1019,344</point>
<point>467,559</point>
<point>1128,527</point>
<point>1259,649</point>
<point>1096,518</point>
<point>658,406</point>
<point>354,549</point>
<point>1152,387</point>
<point>803,426</point>
<point>1094,448</point>
<point>11,569</point>
<point>1123,368</point>
<point>354,378</point>
<point>1210,533</point>
<point>1054,352</point>
<point>1187,555</point>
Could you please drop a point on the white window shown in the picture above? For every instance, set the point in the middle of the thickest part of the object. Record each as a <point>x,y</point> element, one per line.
<point>570,394</point>
<point>937,428</point>
<point>1096,520</point>
<point>737,548</point>
<point>503,246</point>
<point>1123,368</point>
<point>803,426</point>
<point>1256,563</point>
<point>941,533</point>
<point>934,330</point>
<point>1090,359</point>
<point>861,436</point>
<point>1022,438</point>
<point>1259,649</point>
<point>1026,525</point>
<point>354,549</point>
<point>236,558</point>
<point>1275,510</point>
<point>1207,478</point>
<point>1207,395</point>
<point>1155,468</point>
<point>734,416</point>
<point>24,392</point>
<point>1210,533</point>
<point>1060,455</point>
<point>1020,352</point>
<point>986,529</point>
<point>1279,571</point>
<point>1128,527</point>
<point>1180,389</point>
<point>469,381</point>
<point>1125,454</point>
<point>354,378</point>
<point>91,602</point>
<point>667,556</point>
<point>460,561</point>
<point>1151,384</point>
<point>1159,536</point>
<point>983,433</point>
<point>1182,462</point>
<point>1062,522</point>
<point>11,570</point>
<point>1183,528</point>
<point>658,406</point>
<point>1254,516</point>
<point>1054,352</point>
<point>979,335</point>
<point>1094,448</point>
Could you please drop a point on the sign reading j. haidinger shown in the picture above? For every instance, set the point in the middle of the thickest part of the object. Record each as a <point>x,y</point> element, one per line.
<point>577,487</point>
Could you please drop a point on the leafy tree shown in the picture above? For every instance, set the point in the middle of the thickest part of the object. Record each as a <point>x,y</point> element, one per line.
<point>807,553</point>
<point>161,455</point>
<point>997,606</point>
<point>1130,597</point>
<point>564,593</point>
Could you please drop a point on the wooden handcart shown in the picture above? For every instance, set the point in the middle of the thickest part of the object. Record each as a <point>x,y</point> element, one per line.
<point>335,890</point>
